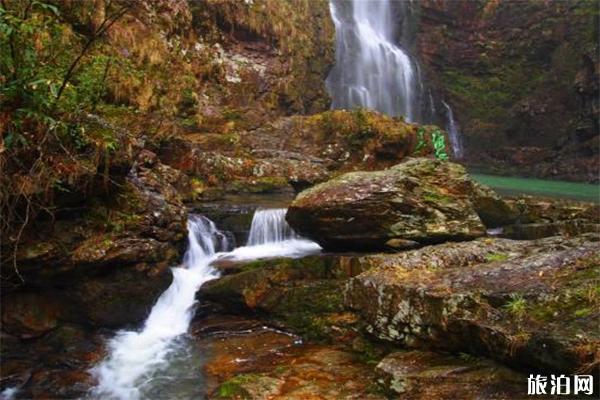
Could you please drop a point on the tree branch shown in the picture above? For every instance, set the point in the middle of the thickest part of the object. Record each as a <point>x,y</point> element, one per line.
<point>104,26</point>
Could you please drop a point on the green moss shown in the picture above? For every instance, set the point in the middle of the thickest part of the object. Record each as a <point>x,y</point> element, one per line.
<point>496,257</point>
<point>517,306</point>
<point>577,296</point>
<point>233,388</point>
<point>583,312</point>
<point>435,197</point>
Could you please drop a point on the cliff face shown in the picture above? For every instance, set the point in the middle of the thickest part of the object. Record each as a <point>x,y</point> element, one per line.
<point>224,65</point>
<point>522,78</point>
<point>207,65</point>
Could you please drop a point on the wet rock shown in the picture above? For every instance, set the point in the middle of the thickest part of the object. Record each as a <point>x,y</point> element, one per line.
<point>51,366</point>
<point>498,134</point>
<point>313,372</point>
<point>420,200</point>
<point>529,308</point>
<point>539,218</point>
<point>122,297</point>
<point>546,229</point>
<point>302,294</point>
<point>297,151</point>
<point>539,210</point>
<point>427,375</point>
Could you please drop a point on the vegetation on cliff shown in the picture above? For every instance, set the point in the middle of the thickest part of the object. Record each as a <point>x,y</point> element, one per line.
<point>87,85</point>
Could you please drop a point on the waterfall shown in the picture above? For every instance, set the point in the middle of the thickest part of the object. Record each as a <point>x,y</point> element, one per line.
<point>371,70</point>
<point>453,132</point>
<point>136,357</point>
<point>270,226</point>
<point>271,236</point>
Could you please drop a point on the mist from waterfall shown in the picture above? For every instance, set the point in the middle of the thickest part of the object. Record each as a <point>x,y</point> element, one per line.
<point>371,70</point>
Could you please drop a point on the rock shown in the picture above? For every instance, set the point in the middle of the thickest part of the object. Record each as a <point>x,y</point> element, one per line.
<point>107,266</point>
<point>313,372</point>
<point>497,133</point>
<point>427,375</point>
<point>420,200</point>
<point>54,365</point>
<point>493,211</point>
<point>297,151</point>
<point>301,294</point>
<point>539,218</point>
<point>546,229</point>
<point>29,314</point>
<point>540,210</point>
<point>250,386</point>
<point>122,297</point>
<point>529,308</point>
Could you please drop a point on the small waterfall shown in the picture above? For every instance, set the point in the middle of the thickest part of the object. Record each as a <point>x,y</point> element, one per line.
<point>137,360</point>
<point>270,226</point>
<point>271,236</point>
<point>133,356</point>
<point>454,133</point>
<point>371,70</point>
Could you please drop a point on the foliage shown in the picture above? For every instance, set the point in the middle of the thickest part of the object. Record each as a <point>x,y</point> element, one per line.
<point>49,79</point>
<point>439,145</point>
<point>438,141</point>
<point>232,388</point>
<point>517,305</point>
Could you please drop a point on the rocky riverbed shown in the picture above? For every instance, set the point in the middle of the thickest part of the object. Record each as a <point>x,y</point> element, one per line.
<point>479,311</point>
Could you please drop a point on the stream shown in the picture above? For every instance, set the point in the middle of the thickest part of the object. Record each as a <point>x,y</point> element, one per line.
<point>162,354</point>
<point>139,363</point>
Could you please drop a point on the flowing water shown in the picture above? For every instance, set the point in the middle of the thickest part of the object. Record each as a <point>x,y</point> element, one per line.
<point>268,226</point>
<point>371,70</point>
<point>142,364</point>
<point>271,236</point>
<point>453,133</point>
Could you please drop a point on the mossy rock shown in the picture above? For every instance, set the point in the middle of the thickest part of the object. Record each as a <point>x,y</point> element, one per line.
<point>528,304</point>
<point>419,201</point>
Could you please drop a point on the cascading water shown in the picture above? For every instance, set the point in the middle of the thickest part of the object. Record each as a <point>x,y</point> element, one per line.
<point>138,359</point>
<point>371,70</point>
<point>271,236</point>
<point>453,132</point>
<point>269,226</point>
<point>133,356</point>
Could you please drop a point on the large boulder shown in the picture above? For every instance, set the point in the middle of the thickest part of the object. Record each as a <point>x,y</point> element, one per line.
<point>531,304</point>
<point>299,150</point>
<point>420,201</point>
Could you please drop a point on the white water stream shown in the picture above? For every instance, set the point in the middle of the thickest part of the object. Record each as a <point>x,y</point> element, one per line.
<point>371,70</point>
<point>453,133</point>
<point>134,357</point>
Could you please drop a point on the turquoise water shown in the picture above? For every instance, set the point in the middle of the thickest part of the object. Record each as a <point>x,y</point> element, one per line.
<point>511,186</point>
